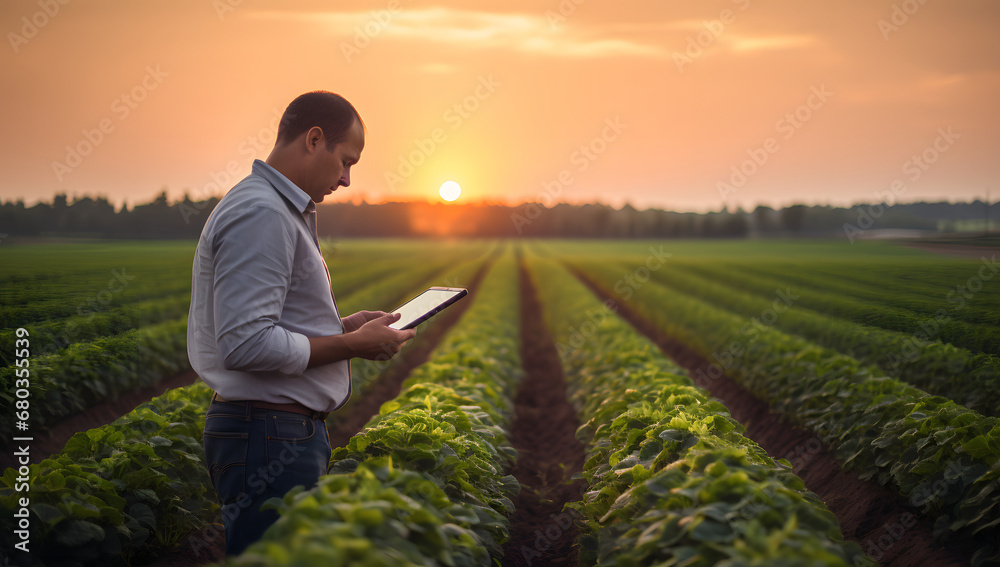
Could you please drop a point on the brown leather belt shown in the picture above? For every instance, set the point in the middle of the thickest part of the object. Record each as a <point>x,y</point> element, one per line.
<point>290,407</point>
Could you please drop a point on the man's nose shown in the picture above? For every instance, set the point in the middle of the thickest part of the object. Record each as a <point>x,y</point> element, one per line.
<point>345,179</point>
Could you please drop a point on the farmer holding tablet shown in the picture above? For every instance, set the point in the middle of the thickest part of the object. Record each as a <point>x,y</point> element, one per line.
<point>263,329</point>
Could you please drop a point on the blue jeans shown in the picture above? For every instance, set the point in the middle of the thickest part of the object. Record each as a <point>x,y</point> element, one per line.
<point>257,454</point>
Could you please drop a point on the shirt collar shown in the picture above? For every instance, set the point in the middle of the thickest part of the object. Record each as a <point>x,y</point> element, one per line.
<point>296,196</point>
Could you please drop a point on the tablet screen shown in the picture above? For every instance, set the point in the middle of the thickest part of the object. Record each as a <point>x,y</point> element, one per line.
<point>421,307</point>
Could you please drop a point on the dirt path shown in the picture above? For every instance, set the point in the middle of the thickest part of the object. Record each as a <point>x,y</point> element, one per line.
<point>544,434</point>
<point>55,438</point>
<point>887,529</point>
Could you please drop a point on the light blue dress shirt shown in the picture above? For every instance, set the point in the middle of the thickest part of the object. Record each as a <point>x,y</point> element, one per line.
<point>259,288</point>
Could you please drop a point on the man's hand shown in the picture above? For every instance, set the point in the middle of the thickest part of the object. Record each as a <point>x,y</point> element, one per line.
<point>372,340</point>
<point>375,340</point>
<point>355,321</point>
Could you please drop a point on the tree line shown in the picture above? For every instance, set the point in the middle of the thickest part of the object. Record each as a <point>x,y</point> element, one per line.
<point>98,218</point>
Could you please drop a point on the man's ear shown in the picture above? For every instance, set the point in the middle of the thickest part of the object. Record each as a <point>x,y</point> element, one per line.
<point>313,139</point>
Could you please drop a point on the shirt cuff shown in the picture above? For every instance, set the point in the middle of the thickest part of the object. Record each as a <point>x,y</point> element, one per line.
<point>299,362</point>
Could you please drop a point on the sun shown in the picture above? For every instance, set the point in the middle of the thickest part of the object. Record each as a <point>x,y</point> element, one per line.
<point>450,191</point>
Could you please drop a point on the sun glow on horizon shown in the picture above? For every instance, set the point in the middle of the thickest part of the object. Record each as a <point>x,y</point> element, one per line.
<point>450,191</point>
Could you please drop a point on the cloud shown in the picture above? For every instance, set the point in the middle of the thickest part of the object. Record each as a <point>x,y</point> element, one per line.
<point>740,43</point>
<point>483,30</point>
<point>437,68</point>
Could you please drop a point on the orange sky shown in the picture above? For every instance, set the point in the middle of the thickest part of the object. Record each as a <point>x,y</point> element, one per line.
<point>656,104</point>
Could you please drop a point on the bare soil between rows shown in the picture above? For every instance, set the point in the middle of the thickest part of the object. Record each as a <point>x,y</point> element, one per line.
<point>208,544</point>
<point>888,530</point>
<point>544,433</point>
<point>53,440</point>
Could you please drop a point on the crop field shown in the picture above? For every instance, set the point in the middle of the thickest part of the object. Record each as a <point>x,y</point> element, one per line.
<point>590,403</point>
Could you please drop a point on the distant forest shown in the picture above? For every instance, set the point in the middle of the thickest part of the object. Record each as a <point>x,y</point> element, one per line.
<point>98,218</point>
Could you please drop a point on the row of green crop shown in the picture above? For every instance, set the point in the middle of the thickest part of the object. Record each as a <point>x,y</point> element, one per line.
<point>43,267</point>
<point>970,379</point>
<point>910,286</point>
<point>89,372</point>
<point>118,493</point>
<point>82,288</point>
<point>371,263</point>
<point>91,321</point>
<point>972,336</point>
<point>672,479</point>
<point>58,333</point>
<point>64,285</point>
<point>424,482</point>
<point>942,457</point>
<point>363,371</point>
<point>51,336</point>
<point>112,467</point>
<point>60,303</point>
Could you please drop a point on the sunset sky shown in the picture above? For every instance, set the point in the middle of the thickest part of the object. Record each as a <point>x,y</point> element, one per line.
<point>670,104</point>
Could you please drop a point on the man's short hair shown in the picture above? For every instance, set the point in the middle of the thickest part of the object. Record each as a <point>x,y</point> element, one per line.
<point>329,111</point>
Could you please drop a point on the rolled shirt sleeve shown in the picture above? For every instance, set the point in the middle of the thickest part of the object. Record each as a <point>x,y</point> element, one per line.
<point>252,260</point>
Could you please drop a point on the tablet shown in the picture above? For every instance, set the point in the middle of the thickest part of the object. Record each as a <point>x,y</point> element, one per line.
<point>425,305</point>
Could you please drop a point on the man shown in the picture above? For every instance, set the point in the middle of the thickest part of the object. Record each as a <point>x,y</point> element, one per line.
<point>264,331</point>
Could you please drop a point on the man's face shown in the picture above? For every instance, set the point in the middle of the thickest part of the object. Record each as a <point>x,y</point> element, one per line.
<point>332,169</point>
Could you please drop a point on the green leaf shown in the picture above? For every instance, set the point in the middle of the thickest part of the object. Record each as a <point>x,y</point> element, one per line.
<point>77,533</point>
<point>143,514</point>
<point>50,515</point>
<point>710,530</point>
